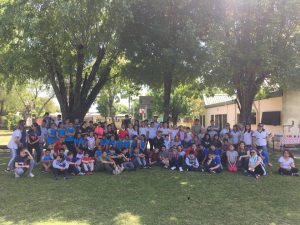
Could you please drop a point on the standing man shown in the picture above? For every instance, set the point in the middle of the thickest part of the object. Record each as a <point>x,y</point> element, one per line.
<point>213,127</point>
<point>14,144</point>
<point>196,128</point>
<point>156,123</point>
<point>260,140</point>
<point>126,121</point>
<point>152,134</point>
<point>58,120</point>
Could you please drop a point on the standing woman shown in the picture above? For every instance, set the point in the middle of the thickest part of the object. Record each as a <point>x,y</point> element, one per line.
<point>260,137</point>
<point>14,144</point>
<point>256,168</point>
<point>33,142</point>
<point>235,136</point>
<point>247,137</point>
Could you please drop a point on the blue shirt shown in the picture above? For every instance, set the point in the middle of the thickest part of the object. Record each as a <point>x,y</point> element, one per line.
<point>61,132</point>
<point>205,151</point>
<point>119,144</point>
<point>98,153</point>
<point>70,138</point>
<point>217,152</point>
<point>126,143</point>
<point>216,161</point>
<point>143,143</point>
<point>79,141</point>
<point>51,140</point>
<point>103,142</point>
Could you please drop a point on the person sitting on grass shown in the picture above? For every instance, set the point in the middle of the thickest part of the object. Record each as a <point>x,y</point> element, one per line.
<point>74,164</point>
<point>164,157</point>
<point>263,155</point>
<point>60,167</point>
<point>124,157</point>
<point>213,164</point>
<point>47,161</point>
<point>232,157</point>
<point>181,157</point>
<point>256,168</point>
<point>287,164</point>
<point>88,164</point>
<point>191,162</point>
<point>138,158</point>
<point>107,164</point>
<point>23,163</point>
<point>173,158</point>
<point>244,156</point>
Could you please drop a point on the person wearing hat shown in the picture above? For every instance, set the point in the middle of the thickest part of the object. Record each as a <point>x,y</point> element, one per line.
<point>260,140</point>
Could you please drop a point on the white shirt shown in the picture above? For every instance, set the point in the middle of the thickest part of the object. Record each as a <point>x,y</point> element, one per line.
<point>235,137</point>
<point>285,164</point>
<point>91,142</point>
<point>247,137</point>
<point>173,133</point>
<point>167,143</point>
<point>261,137</point>
<point>143,130</point>
<point>152,132</point>
<point>164,131</point>
<point>16,135</point>
<point>223,132</point>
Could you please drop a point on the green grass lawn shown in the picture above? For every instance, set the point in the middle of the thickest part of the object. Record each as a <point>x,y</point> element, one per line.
<point>155,196</point>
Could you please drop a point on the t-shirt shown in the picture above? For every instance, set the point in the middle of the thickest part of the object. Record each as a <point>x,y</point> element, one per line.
<point>47,158</point>
<point>235,137</point>
<point>261,137</point>
<point>247,138</point>
<point>61,132</point>
<point>232,156</point>
<point>286,163</point>
<point>143,131</point>
<point>91,142</point>
<point>152,132</point>
<point>21,160</point>
<point>44,132</point>
<point>173,133</point>
<point>98,154</point>
<point>122,134</point>
<point>196,129</point>
<point>70,138</point>
<point>15,135</point>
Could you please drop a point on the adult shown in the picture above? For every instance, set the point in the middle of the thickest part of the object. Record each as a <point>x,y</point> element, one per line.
<point>14,144</point>
<point>126,121</point>
<point>287,164</point>
<point>99,131</point>
<point>260,139</point>
<point>235,135</point>
<point>58,120</point>
<point>155,121</point>
<point>43,136</point>
<point>225,130</point>
<point>255,167</point>
<point>144,130</point>
<point>24,162</point>
<point>47,118</point>
<point>33,142</point>
<point>196,128</point>
<point>213,127</point>
<point>158,141</point>
<point>247,136</point>
<point>152,134</point>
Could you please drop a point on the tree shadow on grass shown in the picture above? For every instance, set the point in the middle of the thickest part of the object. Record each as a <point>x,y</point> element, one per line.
<point>155,196</point>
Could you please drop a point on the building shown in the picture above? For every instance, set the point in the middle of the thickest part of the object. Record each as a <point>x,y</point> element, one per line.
<point>280,113</point>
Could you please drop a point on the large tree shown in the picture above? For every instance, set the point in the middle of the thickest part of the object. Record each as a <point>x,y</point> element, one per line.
<point>165,42</point>
<point>70,44</point>
<point>253,42</point>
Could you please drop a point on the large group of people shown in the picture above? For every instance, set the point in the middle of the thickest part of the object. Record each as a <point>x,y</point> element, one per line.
<point>64,148</point>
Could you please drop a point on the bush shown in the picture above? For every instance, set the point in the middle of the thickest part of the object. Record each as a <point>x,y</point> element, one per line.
<point>12,121</point>
<point>3,122</point>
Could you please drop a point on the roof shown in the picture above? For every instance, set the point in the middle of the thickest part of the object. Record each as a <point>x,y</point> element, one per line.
<point>218,99</point>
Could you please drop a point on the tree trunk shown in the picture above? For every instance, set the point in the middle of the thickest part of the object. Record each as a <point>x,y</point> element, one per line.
<point>168,79</point>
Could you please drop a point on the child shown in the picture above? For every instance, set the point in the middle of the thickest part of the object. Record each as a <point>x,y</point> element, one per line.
<point>47,161</point>
<point>88,164</point>
<point>216,150</point>
<point>287,165</point>
<point>263,155</point>
<point>164,157</point>
<point>173,158</point>
<point>23,162</point>
<point>91,140</point>
<point>213,164</point>
<point>232,157</point>
<point>74,164</point>
<point>139,158</point>
<point>108,164</point>
<point>125,160</point>
<point>167,142</point>
<point>181,157</point>
<point>191,162</point>
<point>60,167</point>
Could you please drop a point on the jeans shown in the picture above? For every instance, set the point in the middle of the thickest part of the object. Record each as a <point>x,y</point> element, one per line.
<point>58,172</point>
<point>128,166</point>
<point>139,162</point>
<point>38,151</point>
<point>21,171</point>
<point>13,154</point>
<point>265,151</point>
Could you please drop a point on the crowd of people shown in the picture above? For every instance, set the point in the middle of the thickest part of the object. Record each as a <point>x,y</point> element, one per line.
<point>66,148</point>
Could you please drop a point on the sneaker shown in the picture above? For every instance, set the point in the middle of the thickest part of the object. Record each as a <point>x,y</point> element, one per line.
<point>66,178</point>
<point>17,176</point>
<point>180,169</point>
<point>81,174</point>
<point>7,170</point>
<point>31,175</point>
<point>173,168</point>
<point>166,166</point>
<point>295,174</point>
<point>114,172</point>
<point>145,167</point>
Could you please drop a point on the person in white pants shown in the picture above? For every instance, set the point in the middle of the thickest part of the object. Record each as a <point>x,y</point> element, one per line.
<point>14,144</point>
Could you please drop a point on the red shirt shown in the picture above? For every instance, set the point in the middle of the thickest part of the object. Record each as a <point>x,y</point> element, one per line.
<point>99,131</point>
<point>123,133</point>
<point>57,146</point>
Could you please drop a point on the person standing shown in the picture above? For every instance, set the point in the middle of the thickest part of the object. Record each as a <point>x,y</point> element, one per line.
<point>196,128</point>
<point>260,139</point>
<point>33,142</point>
<point>14,144</point>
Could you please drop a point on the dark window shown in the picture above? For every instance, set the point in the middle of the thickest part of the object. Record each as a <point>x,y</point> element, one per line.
<point>271,118</point>
<point>253,118</point>
<point>221,120</point>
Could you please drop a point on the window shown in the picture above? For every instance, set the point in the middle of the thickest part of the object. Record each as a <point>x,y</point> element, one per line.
<point>271,118</point>
<point>221,120</point>
<point>202,120</point>
<point>212,117</point>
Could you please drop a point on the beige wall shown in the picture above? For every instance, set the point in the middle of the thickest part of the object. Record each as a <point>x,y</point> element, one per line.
<point>291,112</point>
<point>260,106</point>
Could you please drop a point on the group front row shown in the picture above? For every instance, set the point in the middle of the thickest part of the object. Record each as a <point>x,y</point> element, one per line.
<point>65,163</point>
